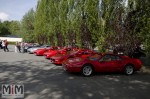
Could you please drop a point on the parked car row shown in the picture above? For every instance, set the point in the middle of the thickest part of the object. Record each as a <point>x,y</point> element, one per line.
<point>87,61</point>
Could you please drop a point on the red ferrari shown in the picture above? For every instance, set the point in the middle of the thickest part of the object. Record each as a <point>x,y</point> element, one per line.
<point>59,58</point>
<point>40,52</point>
<point>102,63</point>
<point>50,53</point>
<point>54,52</point>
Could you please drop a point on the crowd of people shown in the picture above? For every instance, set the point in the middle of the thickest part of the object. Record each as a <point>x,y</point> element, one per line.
<point>19,46</point>
<point>4,45</point>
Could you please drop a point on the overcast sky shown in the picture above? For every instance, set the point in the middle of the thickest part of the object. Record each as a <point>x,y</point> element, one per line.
<point>15,9</point>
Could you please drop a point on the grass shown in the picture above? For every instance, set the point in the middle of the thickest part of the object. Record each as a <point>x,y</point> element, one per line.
<point>11,43</point>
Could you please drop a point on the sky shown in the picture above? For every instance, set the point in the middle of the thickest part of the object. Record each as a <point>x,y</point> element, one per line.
<point>15,9</point>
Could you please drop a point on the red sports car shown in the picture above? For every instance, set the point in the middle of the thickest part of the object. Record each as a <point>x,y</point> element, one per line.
<point>59,58</point>
<point>102,63</point>
<point>50,53</point>
<point>40,52</point>
<point>54,52</point>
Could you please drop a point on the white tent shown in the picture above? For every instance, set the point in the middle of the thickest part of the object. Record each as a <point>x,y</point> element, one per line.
<point>11,39</point>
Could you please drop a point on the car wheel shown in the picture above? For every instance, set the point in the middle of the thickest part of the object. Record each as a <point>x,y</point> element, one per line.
<point>35,54</point>
<point>87,70</point>
<point>45,56</point>
<point>129,70</point>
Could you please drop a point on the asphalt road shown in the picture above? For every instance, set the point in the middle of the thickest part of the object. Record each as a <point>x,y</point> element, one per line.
<point>43,80</point>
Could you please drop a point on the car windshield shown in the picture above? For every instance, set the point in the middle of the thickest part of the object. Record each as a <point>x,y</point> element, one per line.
<point>94,57</point>
<point>71,52</point>
<point>44,46</point>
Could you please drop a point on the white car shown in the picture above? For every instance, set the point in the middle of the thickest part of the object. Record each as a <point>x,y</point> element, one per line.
<point>31,50</point>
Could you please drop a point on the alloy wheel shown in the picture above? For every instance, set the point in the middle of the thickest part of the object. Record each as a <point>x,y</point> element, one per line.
<point>87,70</point>
<point>129,70</point>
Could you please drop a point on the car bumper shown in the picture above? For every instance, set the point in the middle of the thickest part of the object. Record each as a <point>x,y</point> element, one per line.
<point>30,52</point>
<point>46,56</point>
<point>57,62</point>
<point>71,68</point>
<point>37,54</point>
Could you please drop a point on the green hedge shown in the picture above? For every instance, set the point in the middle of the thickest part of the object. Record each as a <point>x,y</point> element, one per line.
<point>11,43</point>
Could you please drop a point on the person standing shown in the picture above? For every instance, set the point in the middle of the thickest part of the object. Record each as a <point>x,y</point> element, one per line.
<point>16,47</point>
<point>3,44</point>
<point>19,46</point>
<point>22,47</point>
<point>6,45</point>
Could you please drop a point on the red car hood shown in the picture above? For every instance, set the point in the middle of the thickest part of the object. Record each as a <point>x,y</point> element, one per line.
<point>58,56</point>
<point>75,60</point>
<point>50,52</point>
<point>42,49</point>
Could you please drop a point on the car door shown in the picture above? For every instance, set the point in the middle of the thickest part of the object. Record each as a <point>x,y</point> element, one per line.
<point>109,63</point>
<point>104,63</point>
<point>115,64</point>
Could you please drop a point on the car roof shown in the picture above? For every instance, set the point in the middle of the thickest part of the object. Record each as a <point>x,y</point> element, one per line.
<point>111,54</point>
<point>122,56</point>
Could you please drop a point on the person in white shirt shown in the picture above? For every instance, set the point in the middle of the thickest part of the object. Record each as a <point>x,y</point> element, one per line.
<point>4,47</point>
<point>22,47</point>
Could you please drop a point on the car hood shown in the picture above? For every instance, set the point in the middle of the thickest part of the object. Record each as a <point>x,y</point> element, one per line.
<point>40,50</point>
<point>33,48</point>
<point>75,60</point>
<point>58,56</point>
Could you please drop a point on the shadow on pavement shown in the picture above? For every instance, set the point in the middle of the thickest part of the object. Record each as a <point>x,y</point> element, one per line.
<point>47,81</point>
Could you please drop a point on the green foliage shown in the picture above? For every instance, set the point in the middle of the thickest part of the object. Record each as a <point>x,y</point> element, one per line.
<point>4,28</point>
<point>27,26</point>
<point>10,28</point>
<point>12,43</point>
<point>88,23</point>
<point>143,22</point>
<point>42,21</point>
<point>15,28</point>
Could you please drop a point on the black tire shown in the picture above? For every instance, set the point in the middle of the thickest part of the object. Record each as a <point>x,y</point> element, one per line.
<point>29,52</point>
<point>35,54</point>
<point>87,70</point>
<point>129,70</point>
<point>45,57</point>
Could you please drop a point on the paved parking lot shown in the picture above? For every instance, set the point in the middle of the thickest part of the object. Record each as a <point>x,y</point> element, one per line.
<point>43,80</point>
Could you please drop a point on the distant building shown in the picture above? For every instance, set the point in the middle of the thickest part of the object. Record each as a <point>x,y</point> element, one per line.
<point>11,38</point>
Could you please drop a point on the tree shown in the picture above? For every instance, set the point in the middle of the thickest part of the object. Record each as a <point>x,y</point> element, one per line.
<point>42,21</point>
<point>28,26</point>
<point>5,28</point>
<point>15,28</point>
<point>87,23</point>
<point>139,10</point>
